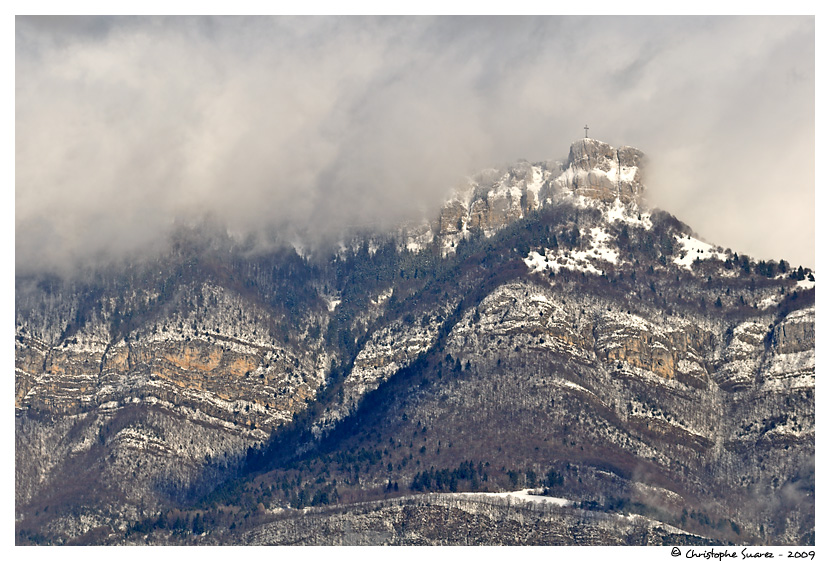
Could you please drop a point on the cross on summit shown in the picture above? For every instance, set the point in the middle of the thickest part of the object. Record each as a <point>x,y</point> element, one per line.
<point>586,131</point>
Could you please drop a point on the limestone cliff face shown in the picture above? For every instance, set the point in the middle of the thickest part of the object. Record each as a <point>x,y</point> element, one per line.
<point>598,171</point>
<point>451,220</point>
<point>795,334</point>
<point>683,349</point>
<point>221,363</point>
<point>61,379</point>
<point>667,351</point>
<point>495,198</point>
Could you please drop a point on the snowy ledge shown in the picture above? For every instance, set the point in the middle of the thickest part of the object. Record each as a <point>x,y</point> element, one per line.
<point>529,495</point>
<point>694,249</point>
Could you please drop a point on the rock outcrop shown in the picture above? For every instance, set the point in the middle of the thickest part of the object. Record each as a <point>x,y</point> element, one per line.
<point>493,199</point>
<point>598,171</point>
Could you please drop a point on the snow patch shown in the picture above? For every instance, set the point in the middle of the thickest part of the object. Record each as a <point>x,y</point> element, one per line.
<point>332,303</point>
<point>383,296</point>
<point>806,284</point>
<point>579,261</point>
<point>528,495</point>
<point>536,184</point>
<point>618,212</point>
<point>628,173</point>
<point>791,364</point>
<point>575,261</point>
<point>770,301</point>
<point>806,315</point>
<point>693,249</point>
<point>600,248</point>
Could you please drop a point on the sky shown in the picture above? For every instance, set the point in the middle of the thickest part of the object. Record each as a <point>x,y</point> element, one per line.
<point>128,126</point>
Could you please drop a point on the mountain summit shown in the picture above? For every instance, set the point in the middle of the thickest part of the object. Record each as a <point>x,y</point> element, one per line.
<point>598,171</point>
<point>594,172</point>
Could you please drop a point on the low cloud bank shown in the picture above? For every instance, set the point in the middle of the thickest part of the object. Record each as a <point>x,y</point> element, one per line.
<point>128,126</point>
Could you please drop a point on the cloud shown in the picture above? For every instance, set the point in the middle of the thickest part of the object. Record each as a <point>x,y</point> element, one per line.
<point>126,125</point>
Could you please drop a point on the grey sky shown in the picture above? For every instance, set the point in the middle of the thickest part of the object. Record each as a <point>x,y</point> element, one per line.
<point>124,125</point>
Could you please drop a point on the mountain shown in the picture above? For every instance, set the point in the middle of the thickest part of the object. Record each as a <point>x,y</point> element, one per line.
<point>548,330</point>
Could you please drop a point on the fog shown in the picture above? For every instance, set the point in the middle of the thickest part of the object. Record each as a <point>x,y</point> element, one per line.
<point>128,126</point>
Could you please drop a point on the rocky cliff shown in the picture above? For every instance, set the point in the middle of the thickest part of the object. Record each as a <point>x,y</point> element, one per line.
<point>494,198</point>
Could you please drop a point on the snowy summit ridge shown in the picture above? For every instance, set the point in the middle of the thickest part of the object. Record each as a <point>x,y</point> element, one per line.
<point>595,174</point>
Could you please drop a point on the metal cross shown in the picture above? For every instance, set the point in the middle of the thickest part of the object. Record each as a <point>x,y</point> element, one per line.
<point>586,131</point>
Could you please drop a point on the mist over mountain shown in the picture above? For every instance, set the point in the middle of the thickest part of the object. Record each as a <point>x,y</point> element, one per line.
<point>549,360</point>
<point>128,127</point>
